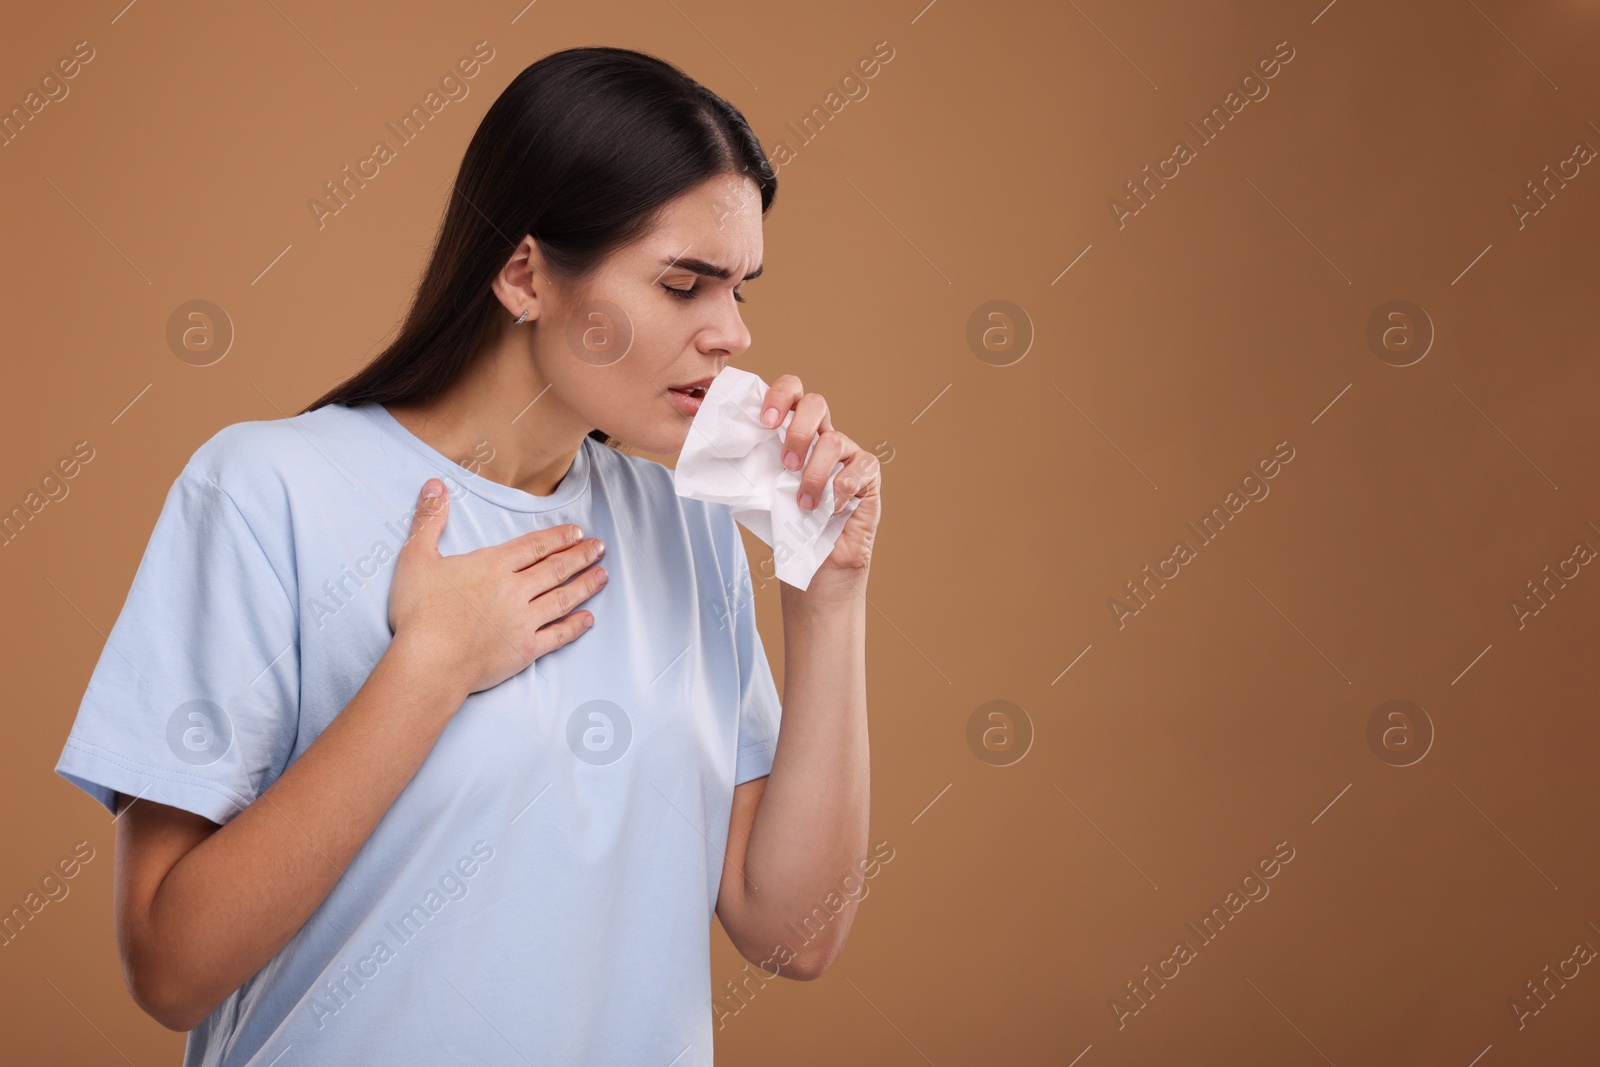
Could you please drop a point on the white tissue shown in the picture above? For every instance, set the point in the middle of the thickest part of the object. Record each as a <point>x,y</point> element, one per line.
<point>730,458</point>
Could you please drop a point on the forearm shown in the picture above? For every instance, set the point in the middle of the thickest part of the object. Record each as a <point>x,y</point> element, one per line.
<point>811,828</point>
<point>234,900</point>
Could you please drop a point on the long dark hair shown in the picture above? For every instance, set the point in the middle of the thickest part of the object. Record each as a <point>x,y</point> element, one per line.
<point>582,150</point>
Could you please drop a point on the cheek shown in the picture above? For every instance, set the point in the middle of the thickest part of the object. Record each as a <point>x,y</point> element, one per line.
<point>618,394</point>
<point>659,356</point>
<point>627,400</point>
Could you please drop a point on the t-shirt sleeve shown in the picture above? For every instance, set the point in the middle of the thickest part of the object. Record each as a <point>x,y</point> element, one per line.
<point>194,701</point>
<point>760,709</point>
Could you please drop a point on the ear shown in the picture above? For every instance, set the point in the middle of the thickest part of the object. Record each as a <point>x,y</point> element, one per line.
<point>523,280</point>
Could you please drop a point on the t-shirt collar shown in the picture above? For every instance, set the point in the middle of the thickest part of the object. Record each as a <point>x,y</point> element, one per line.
<point>574,485</point>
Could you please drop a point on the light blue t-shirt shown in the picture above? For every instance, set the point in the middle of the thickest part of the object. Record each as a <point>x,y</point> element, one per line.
<point>543,890</point>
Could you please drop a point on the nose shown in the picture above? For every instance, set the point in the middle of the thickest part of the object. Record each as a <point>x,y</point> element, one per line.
<point>725,331</point>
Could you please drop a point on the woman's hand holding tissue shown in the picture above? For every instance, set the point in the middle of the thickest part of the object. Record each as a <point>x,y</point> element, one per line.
<point>771,454</point>
<point>844,571</point>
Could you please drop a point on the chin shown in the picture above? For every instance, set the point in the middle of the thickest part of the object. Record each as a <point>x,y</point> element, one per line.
<point>673,443</point>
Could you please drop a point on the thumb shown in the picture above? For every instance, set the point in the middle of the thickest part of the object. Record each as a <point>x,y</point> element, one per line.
<point>427,522</point>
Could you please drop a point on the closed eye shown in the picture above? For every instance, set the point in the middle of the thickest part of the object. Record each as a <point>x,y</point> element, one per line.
<point>689,294</point>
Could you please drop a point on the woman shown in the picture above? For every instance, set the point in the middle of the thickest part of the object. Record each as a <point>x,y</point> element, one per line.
<point>407,780</point>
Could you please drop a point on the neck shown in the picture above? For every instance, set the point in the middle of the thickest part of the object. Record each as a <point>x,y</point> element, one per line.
<point>501,420</point>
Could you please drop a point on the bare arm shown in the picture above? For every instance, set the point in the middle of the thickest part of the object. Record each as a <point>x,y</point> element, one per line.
<point>797,833</point>
<point>200,908</point>
<point>793,840</point>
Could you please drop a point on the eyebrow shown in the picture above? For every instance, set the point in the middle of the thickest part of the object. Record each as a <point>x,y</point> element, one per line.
<point>709,270</point>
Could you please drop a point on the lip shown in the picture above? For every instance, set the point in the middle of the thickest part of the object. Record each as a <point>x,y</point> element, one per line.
<point>689,405</point>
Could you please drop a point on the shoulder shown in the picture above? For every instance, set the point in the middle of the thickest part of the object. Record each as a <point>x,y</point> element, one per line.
<point>257,461</point>
<point>253,472</point>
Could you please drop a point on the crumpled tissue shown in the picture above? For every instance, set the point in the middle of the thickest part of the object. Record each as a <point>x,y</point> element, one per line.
<point>731,458</point>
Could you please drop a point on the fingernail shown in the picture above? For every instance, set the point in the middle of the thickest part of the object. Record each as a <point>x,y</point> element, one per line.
<point>806,502</point>
<point>791,460</point>
<point>577,534</point>
<point>432,489</point>
<point>770,417</point>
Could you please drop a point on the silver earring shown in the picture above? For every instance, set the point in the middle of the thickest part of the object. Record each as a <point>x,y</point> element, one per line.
<point>522,318</point>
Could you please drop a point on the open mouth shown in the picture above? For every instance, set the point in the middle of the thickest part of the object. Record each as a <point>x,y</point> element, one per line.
<point>688,400</point>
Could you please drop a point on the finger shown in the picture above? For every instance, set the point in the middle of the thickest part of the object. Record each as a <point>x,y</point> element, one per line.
<point>810,416</point>
<point>427,522</point>
<point>559,600</point>
<point>558,568</point>
<point>829,449</point>
<point>781,395</point>
<point>858,477</point>
<point>561,632</point>
<point>525,550</point>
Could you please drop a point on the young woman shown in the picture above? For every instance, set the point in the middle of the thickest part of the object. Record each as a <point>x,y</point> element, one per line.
<point>461,777</point>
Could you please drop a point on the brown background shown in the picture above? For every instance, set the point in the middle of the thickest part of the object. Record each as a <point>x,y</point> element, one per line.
<point>1229,715</point>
